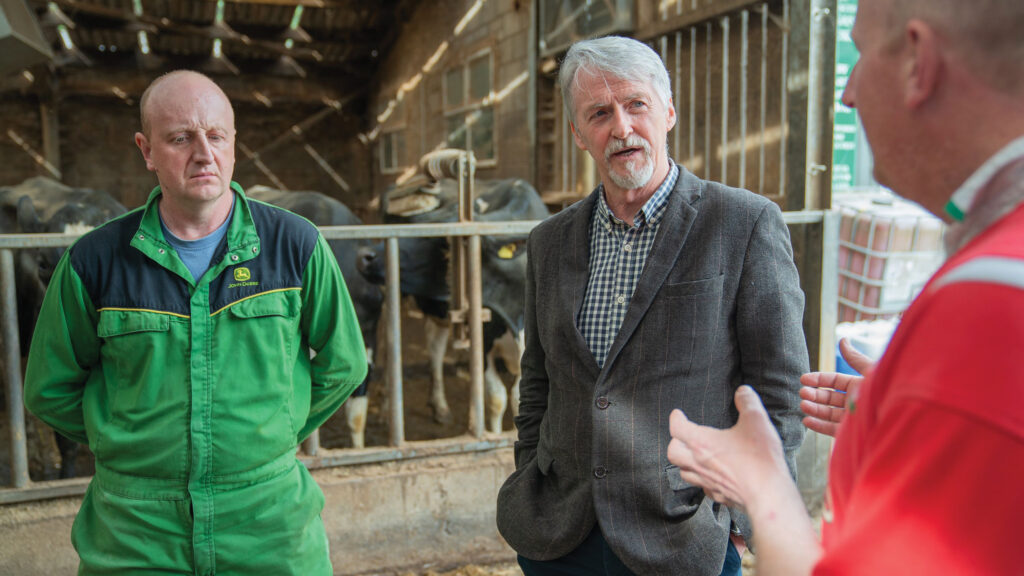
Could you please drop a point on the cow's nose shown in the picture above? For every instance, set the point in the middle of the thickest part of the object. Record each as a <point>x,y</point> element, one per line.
<point>366,256</point>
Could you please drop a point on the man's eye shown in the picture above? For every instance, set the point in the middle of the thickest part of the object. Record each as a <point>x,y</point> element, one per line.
<point>180,139</point>
<point>639,104</point>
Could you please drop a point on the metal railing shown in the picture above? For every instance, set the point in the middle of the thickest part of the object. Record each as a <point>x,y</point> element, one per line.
<point>476,439</point>
<point>397,449</point>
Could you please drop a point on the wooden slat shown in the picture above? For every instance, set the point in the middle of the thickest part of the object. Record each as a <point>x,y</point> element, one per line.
<point>647,31</point>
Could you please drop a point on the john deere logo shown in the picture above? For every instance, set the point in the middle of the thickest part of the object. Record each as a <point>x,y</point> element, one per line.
<point>242,274</point>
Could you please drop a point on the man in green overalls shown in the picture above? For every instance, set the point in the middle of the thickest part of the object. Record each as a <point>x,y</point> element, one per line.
<point>175,341</point>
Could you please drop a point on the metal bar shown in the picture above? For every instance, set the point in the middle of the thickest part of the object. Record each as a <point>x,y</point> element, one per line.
<point>564,128</point>
<point>744,70</point>
<point>311,445</point>
<point>531,94</point>
<point>693,93</point>
<point>783,110</point>
<point>679,85</point>
<point>361,232</point>
<point>327,458</point>
<point>707,106</point>
<point>725,99</point>
<point>12,369</point>
<point>396,424</point>
<point>764,94</point>
<point>829,291</point>
<point>326,167</point>
<point>815,181</point>
<point>695,16</point>
<point>476,338</point>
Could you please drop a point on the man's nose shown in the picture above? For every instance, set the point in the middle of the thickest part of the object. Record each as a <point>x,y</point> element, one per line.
<point>622,127</point>
<point>201,149</point>
<point>848,90</point>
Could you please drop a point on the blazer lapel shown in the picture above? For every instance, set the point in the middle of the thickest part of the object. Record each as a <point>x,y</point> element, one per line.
<point>672,233</point>
<point>575,263</point>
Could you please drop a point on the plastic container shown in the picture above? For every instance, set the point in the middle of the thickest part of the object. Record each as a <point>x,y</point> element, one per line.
<point>888,248</point>
<point>870,337</point>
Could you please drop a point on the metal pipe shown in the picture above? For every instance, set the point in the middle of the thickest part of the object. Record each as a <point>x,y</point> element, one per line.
<point>679,85</point>
<point>783,110</point>
<point>707,105</point>
<point>396,424</point>
<point>12,369</point>
<point>815,180</point>
<point>476,339</point>
<point>829,291</point>
<point>693,93</point>
<point>764,94</point>
<point>725,99</point>
<point>744,69</point>
<point>311,445</point>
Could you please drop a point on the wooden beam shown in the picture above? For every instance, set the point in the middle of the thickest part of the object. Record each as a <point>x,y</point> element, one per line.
<point>647,30</point>
<point>278,90</point>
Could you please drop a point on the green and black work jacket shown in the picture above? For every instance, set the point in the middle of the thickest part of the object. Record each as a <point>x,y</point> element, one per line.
<point>188,389</point>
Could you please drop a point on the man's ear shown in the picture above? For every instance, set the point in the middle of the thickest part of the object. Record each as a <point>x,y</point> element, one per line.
<point>923,63</point>
<point>671,123</point>
<point>143,143</point>
<point>575,135</point>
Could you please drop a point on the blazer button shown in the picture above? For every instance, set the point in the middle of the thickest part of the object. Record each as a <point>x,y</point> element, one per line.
<point>600,472</point>
<point>602,402</point>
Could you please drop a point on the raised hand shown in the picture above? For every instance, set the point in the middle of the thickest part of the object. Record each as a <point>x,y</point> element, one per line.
<point>728,464</point>
<point>826,394</point>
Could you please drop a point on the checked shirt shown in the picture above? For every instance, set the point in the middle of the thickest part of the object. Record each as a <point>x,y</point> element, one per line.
<point>617,255</point>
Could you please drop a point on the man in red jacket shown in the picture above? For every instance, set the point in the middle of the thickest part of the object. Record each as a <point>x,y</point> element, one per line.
<point>929,456</point>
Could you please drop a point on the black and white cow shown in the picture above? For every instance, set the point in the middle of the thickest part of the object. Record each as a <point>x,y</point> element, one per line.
<point>367,297</point>
<point>424,276</point>
<point>43,205</point>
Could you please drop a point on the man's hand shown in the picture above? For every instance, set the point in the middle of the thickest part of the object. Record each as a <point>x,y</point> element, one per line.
<point>730,464</point>
<point>825,394</point>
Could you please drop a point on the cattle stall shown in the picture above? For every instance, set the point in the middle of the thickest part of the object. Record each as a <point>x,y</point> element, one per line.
<point>22,489</point>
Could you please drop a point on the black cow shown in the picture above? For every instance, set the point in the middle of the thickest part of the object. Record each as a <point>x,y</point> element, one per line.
<point>367,297</point>
<point>42,205</point>
<point>424,275</point>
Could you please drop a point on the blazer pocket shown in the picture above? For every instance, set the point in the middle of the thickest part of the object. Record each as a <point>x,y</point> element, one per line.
<point>692,287</point>
<point>683,499</point>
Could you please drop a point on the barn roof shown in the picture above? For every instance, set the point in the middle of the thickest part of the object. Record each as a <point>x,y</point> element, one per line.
<point>291,50</point>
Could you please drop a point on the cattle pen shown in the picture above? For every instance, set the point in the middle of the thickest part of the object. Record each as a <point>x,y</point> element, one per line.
<point>313,456</point>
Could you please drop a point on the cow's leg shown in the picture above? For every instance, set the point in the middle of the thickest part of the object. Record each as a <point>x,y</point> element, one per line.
<point>437,343</point>
<point>516,369</point>
<point>494,392</point>
<point>68,454</point>
<point>356,405</point>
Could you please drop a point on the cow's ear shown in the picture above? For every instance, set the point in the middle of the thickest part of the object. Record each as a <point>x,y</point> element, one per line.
<point>28,219</point>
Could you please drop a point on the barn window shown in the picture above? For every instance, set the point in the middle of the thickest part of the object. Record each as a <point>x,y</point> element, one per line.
<point>469,107</point>
<point>392,151</point>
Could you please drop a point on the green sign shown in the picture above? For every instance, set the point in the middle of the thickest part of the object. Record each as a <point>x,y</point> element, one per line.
<point>844,135</point>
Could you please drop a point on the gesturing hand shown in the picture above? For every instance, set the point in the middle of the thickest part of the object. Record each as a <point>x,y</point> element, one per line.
<point>729,464</point>
<point>825,394</point>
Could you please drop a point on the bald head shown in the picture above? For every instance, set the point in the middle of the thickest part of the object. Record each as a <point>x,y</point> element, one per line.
<point>172,86</point>
<point>985,34</point>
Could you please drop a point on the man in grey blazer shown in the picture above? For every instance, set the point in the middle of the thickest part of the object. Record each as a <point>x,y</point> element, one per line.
<point>658,291</point>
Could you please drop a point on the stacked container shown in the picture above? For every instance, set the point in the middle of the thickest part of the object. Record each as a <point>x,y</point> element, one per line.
<point>888,248</point>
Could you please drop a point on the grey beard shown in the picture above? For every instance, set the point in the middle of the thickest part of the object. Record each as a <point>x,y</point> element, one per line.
<point>635,177</point>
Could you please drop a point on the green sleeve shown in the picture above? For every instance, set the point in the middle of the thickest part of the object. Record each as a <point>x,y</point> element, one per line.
<point>62,355</point>
<point>330,326</point>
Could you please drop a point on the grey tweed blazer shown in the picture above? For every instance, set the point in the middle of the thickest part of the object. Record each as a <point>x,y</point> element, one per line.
<point>718,305</point>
